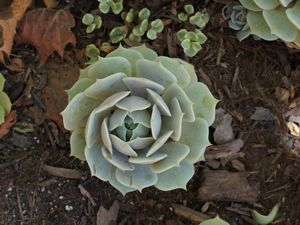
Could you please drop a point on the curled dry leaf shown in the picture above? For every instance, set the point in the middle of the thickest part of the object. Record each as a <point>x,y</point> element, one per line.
<point>10,120</point>
<point>62,172</point>
<point>8,22</point>
<point>48,30</point>
<point>107,217</point>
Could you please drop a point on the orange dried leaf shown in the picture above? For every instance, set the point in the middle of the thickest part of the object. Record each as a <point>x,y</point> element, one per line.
<point>48,30</point>
<point>51,3</point>
<point>8,22</point>
<point>10,120</point>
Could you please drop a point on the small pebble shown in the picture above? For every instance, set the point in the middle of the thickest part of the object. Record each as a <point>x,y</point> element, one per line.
<point>69,208</point>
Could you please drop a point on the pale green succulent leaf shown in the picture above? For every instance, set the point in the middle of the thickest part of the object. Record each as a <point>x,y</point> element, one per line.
<point>111,101</point>
<point>5,102</point>
<point>99,166</point>
<point>190,69</point>
<point>144,26</point>
<point>159,143</point>
<point>130,54</point>
<point>122,146</point>
<point>250,4</point>
<point>2,81</point>
<point>2,115</point>
<point>98,22</point>
<point>140,131</point>
<point>175,151</point>
<point>138,86</point>
<point>177,68</point>
<point>204,103</point>
<point>144,160</point>
<point>186,105</point>
<point>88,19</point>
<point>154,71</point>
<point>92,51</point>
<point>190,52</point>
<point>80,86</point>
<point>182,17</point>
<point>104,7</point>
<point>181,34</point>
<point>93,128</point>
<point>293,14</point>
<point>90,28</point>
<point>259,27</point>
<point>141,117</point>
<point>105,87</point>
<point>267,4</point>
<point>105,136</point>
<point>156,99</point>
<point>107,66</point>
<point>176,177</point>
<point>140,143</point>
<point>118,160</point>
<point>139,178</point>
<point>77,144</point>
<point>151,34</point>
<point>243,34</point>
<point>155,122</point>
<point>215,221</point>
<point>262,219</point>
<point>195,135</point>
<point>174,122</point>
<point>144,14</point>
<point>77,111</point>
<point>121,132</point>
<point>186,44</point>
<point>117,118</point>
<point>117,34</point>
<point>115,183</point>
<point>189,9</point>
<point>117,8</point>
<point>285,3</point>
<point>133,103</point>
<point>275,19</point>
<point>157,25</point>
<point>147,53</point>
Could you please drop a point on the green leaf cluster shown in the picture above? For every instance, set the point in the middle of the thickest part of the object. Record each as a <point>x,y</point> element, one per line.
<point>116,6</point>
<point>191,41</point>
<point>273,19</point>
<point>5,103</point>
<point>92,22</point>
<point>139,119</point>
<point>199,19</point>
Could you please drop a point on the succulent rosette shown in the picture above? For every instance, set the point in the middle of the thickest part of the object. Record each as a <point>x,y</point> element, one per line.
<point>139,119</point>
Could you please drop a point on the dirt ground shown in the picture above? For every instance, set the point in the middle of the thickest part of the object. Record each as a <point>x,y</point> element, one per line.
<point>242,75</point>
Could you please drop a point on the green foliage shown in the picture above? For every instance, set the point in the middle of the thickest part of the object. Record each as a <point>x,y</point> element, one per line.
<point>200,19</point>
<point>92,22</point>
<point>273,19</point>
<point>191,41</point>
<point>5,104</point>
<point>92,52</point>
<point>215,221</point>
<point>139,119</point>
<point>264,220</point>
<point>116,6</point>
<point>117,34</point>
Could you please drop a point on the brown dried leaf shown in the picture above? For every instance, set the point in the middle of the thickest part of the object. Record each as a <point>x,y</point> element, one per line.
<point>106,217</point>
<point>222,185</point>
<point>10,120</point>
<point>224,133</point>
<point>48,30</point>
<point>190,214</point>
<point>8,22</point>
<point>50,3</point>
<point>62,172</point>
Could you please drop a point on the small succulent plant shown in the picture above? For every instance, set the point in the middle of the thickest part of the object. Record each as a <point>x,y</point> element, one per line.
<point>274,19</point>
<point>92,52</point>
<point>5,104</point>
<point>139,119</point>
<point>199,19</point>
<point>92,22</point>
<point>191,41</point>
<point>116,6</point>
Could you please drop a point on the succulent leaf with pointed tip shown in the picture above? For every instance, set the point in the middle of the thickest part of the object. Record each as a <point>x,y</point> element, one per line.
<point>139,119</point>
<point>5,104</point>
<point>274,19</point>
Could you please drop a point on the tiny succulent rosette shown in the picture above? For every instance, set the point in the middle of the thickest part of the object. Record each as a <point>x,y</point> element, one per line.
<point>274,19</point>
<point>5,103</point>
<point>139,119</point>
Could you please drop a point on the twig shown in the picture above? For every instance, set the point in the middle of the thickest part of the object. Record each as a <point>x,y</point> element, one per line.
<point>189,213</point>
<point>87,194</point>
<point>20,207</point>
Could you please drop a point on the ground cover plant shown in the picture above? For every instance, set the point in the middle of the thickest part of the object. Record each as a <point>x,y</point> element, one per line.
<point>88,88</point>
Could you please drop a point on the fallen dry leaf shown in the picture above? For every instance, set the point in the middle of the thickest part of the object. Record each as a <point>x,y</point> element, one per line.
<point>294,129</point>
<point>224,132</point>
<point>262,113</point>
<point>221,185</point>
<point>106,217</point>
<point>10,120</point>
<point>60,77</point>
<point>282,95</point>
<point>8,22</point>
<point>62,172</point>
<point>48,30</point>
<point>190,214</point>
<point>50,3</point>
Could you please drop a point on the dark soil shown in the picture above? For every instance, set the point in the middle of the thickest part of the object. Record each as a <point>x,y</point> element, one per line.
<point>242,75</point>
